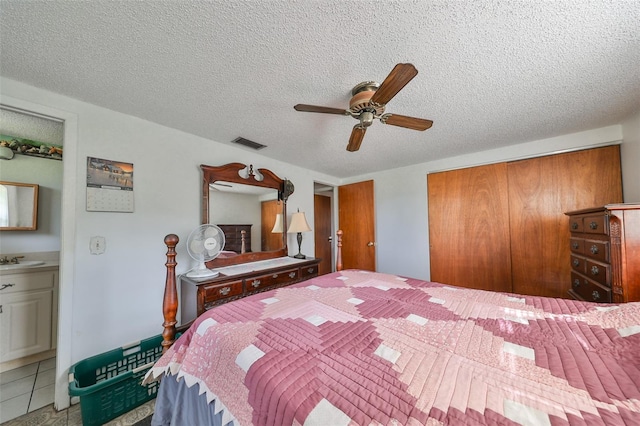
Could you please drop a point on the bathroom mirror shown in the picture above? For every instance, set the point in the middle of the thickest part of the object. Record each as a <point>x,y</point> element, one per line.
<point>18,206</point>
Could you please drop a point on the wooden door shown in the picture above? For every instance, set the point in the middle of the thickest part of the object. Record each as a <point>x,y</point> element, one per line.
<point>469,227</point>
<point>270,240</point>
<point>540,191</point>
<point>322,232</point>
<point>357,221</point>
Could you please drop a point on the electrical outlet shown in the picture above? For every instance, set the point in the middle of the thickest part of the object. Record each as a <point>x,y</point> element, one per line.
<point>97,245</point>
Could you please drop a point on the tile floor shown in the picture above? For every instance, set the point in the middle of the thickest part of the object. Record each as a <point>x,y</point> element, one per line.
<point>27,389</point>
<point>26,398</point>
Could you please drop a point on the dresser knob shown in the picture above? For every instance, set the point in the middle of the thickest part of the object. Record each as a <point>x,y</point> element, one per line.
<point>576,262</point>
<point>576,283</point>
<point>595,270</point>
<point>594,249</point>
<point>292,275</point>
<point>595,295</point>
<point>255,283</point>
<point>593,225</point>
<point>574,246</point>
<point>310,270</point>
<point>574,225</point>
<point>224,291</point>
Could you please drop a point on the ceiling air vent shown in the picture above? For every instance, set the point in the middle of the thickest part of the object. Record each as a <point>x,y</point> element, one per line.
<point>248,143</point>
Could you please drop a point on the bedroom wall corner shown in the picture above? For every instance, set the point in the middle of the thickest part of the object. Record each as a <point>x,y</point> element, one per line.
<point>630,159</point>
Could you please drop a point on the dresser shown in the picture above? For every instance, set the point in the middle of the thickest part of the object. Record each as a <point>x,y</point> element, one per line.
<point>237,238</point>
<point>237,281</point>
<point>605,253</point>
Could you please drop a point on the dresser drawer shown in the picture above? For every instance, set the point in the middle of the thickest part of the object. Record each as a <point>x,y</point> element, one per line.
<point>589,290</point>
<point>268,280</point>
<point>578,264</point>
<point>577,245</point>
<point>309,271</point>
<point>599,272</point>
<point>597,224</point>
<point>221,291</point>
<point>575,224</point>
<point>598,250</point>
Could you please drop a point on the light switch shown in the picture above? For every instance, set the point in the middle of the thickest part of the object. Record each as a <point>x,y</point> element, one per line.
<point>97,245</point>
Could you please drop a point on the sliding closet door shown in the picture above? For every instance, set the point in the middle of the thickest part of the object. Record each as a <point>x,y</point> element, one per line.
<point>469,227</point>
<point>540,191</point>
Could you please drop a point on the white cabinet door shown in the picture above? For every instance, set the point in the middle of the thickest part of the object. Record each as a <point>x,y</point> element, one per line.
<point>25,323</point>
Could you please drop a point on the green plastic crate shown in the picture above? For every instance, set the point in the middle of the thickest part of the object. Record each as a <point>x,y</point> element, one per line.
<point>109,384</point>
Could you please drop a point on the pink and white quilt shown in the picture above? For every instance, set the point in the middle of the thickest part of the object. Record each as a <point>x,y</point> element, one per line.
<point>365,348</point>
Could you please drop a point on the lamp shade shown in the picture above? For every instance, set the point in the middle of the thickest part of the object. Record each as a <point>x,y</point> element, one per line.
<point>298,223</point>
<point>277,227</point>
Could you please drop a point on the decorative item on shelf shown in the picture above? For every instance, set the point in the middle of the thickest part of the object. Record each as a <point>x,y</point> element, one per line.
<point>299,225</point>
<point>277,227</point>
<point>6,153</point>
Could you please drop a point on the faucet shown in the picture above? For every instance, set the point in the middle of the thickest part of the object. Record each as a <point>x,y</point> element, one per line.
<point>13,261</point>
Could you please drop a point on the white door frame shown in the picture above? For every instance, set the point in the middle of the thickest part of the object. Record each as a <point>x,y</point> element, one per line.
<point>67,239</point>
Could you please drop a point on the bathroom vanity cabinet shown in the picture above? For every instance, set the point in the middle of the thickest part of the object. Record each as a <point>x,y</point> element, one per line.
<point>28,311</point>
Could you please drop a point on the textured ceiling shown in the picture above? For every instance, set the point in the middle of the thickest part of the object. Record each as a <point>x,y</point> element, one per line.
<point>27,126</point>
<point>491,73</point>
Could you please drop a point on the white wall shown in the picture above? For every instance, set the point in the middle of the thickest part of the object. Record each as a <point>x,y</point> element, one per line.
<point>47,173</point>
<point>111,299</point>
<point>630,152</point>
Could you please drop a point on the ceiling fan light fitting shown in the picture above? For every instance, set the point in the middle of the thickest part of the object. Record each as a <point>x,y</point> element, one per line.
<point>368,102</point>
<point>361,98</point>
<point>366,118</point>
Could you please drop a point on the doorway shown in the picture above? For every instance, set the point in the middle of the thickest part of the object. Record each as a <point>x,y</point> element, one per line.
<point>67,234</point>
<point>34,343</point>
<point>323,227</point>
<point>356,214</point>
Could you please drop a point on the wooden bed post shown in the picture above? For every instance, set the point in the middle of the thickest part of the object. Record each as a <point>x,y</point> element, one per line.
<point>170,301</point>
<point>339,251</point>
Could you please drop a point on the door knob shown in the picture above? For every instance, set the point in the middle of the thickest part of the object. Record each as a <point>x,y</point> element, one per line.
<point>371,244</point>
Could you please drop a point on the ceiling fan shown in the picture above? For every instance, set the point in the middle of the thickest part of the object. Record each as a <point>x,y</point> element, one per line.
<point>368,102</point>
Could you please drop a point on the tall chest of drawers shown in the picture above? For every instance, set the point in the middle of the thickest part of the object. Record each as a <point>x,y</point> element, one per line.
<point>605,253</point>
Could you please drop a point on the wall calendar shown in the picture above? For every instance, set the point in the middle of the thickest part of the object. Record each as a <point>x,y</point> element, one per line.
<point>109,186</point>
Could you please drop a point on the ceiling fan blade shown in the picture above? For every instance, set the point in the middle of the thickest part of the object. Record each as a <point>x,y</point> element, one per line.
<point>404,121</point>
<point>399,76</point>
<point>321,109</point>
<point>357,134</point>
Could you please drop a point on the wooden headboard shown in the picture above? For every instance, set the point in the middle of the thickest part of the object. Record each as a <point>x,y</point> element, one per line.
<point>170,300</point>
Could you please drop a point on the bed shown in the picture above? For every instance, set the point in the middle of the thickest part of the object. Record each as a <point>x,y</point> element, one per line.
<point>364,348</point>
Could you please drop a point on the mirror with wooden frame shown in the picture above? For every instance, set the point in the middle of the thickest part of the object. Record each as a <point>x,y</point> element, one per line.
<point>245,204</point>
<point>18,206</point>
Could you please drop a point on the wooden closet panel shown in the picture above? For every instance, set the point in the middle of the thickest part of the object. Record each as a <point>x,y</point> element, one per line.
<point>540,191</point>
<point>469,227</point>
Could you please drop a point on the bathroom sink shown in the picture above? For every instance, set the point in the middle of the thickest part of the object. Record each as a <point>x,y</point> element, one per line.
<point>24,264</point>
